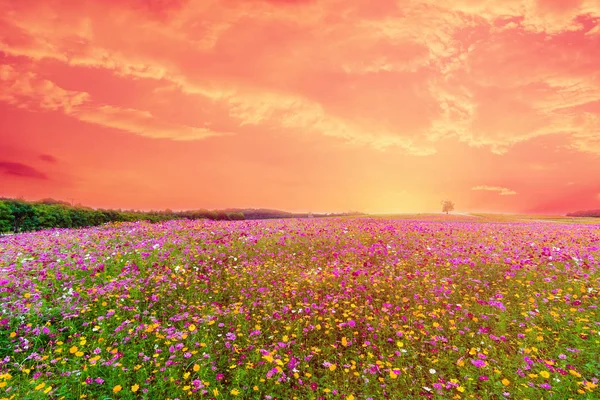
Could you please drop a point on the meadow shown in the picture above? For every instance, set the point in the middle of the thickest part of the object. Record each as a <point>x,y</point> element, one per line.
<point>346,308</point>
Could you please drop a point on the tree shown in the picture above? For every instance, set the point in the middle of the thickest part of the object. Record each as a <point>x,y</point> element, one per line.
<point>6,218</point>
<point>24,216</point>
<point>447,206</point>
<point>45,215</point>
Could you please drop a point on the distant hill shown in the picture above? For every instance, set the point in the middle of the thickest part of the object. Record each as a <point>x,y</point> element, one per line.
<point>585,213</point>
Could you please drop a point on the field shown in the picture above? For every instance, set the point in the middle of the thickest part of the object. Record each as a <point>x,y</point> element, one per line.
<point>371,308</point>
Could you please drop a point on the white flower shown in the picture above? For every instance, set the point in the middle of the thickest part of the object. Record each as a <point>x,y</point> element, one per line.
<point>432,371</point>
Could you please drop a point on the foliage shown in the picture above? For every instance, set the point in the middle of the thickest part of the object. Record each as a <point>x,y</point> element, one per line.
<point>6,218</point>
<point>447,206</point>
<point>19,215</point>
<point>307,309</point>
<point>586,213</point>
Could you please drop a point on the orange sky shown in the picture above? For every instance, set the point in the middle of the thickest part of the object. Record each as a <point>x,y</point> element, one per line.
<point>375,106</point>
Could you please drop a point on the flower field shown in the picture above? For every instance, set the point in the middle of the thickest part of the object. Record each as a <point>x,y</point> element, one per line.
<point>306,309</point>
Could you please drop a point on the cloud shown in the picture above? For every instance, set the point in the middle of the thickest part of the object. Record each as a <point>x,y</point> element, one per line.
<point>21,170</point>
<point>502,191</point>
<point>142,123</point>
<point>403,74</point>
<point>290,110</point>
<point>48,158</point>
<point>288,2</point>
<point>25,89</point>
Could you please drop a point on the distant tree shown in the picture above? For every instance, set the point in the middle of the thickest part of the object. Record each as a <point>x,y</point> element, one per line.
<point>52,201</point>
<point>45,215</point>
<point>20,215</point>
<point>236,216</point>
<point>585,213</point>
<point>447,206</point>
<point>63,217</point>
<point>23,215</point>
<point>221,216</point>
<point>6,218</point>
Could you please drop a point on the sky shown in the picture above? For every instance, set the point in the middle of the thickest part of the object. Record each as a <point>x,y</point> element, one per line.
<point>302,105</point>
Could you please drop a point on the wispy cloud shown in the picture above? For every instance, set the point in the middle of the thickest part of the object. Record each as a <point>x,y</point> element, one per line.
<point>142,123</point>
<point>26,89</point>
<point>48,158</point>
<point>21,170</point>
<point>385,75</point>
<point>501,190</point>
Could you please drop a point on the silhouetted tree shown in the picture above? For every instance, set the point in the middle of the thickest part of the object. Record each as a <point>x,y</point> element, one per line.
<point>447,206</point>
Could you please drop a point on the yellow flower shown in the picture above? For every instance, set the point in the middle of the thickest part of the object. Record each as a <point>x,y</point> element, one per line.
<point>48,389</point>
<point>192,328</point>
<point>215,392</point>
<point>41,385</point>
<point>460,389</point>
<point>575,373</point>
<point>268,358</point>
<point>590,385</point>
<point>73,350</point>
<point>196,368</point>
<point>13,334</point>
<point>349,397</point>
<point>545,374</point>
<point>117,389</point>
<point>344,342</point>
<point>332,367</point>
<point>505,382</point>
<point>79,354</point>
<point>235,392</point>
<point>135,388</point>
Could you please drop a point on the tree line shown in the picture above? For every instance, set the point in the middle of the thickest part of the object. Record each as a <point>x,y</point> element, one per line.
<point>584,213</point>
<point>18,215</point>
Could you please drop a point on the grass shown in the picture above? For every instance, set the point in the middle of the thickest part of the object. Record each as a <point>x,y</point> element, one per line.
<point>323,308</point>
